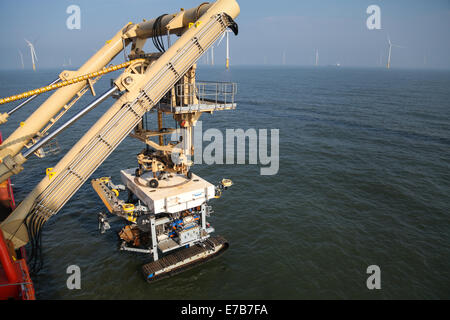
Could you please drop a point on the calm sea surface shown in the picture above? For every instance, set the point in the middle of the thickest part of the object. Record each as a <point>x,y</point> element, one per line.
<point>364,179</point>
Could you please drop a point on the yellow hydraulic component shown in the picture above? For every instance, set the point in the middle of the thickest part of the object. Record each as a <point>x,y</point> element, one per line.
<point>105,179</point>
<point>68,82</point>
<point>128,207</point>
<point>116,192</point>
<point>227,182</point>
<point>49,172</point>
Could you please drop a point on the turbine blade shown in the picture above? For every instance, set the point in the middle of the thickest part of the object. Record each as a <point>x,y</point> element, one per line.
<point>221,38</point>
<point>34,53</point>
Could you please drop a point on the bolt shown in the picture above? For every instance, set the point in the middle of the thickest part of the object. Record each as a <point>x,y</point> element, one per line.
<point>128,80</point>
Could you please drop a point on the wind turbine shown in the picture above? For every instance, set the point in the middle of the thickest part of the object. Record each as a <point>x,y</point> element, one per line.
<point>425,56</point>
<point>228,49</point>
<point>390,50</point>
<point>67,64</point>
<point>212,55</point>
<point>226,33</point>
<point>33,54</point>
<point>21,58</point>
<point>317,57</point>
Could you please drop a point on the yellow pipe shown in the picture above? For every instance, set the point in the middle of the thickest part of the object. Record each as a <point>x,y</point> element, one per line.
<point>67,82</point>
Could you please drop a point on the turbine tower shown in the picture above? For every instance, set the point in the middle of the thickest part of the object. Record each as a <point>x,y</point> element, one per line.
<point>390,51</point>
<point>33,54</point>
<point>212,55</point>
<point>67,64</point>
<point>317,57</point>
<point>21,59</point>
<point>228,49</point>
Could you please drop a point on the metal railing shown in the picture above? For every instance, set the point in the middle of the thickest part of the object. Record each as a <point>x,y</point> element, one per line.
<point>204,92</point>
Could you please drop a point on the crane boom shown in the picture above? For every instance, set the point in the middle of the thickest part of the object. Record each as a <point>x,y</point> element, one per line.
<point>143,91</point>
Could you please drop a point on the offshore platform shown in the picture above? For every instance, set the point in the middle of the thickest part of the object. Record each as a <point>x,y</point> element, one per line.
<point>163,205</point>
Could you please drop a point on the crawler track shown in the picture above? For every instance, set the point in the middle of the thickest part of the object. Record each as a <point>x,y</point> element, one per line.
<point>184,259</point>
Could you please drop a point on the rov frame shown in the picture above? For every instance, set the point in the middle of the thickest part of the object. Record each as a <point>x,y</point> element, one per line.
<point>167,205</point>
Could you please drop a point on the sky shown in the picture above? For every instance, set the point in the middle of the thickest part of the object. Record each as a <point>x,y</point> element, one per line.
<point>267,31</point>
